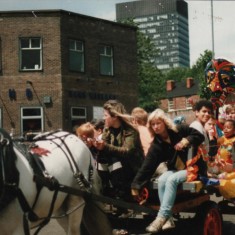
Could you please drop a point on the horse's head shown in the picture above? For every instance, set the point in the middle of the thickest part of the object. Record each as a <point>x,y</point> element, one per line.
<point>8,173</point>
<point>220,79</point>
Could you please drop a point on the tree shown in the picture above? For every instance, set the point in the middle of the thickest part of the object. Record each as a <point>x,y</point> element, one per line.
<point>151,87</point>
<point>177,74</point>
<point>150,78</point>
<point>198,72</point>
<point>151,82</point>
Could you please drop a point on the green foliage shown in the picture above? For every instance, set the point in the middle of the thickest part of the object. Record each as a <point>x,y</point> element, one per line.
<point>152,81</point>
<point>177,74</point>
<point>198,72</point>
<point>152,87</point>
<point>150,78</point>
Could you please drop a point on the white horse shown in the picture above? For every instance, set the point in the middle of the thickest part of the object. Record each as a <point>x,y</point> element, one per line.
<point>63,155</point>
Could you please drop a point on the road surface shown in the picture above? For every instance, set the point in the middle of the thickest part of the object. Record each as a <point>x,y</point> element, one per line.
<point>185,227</point>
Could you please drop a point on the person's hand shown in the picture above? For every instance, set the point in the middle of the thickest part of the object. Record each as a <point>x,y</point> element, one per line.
<point>141,199</point>
<point>89,142</point>
<point>220,163</point>
<point>182,144</point>
<point>99,144</point>
<point>135,192</point>
<point>212,133</point>
<point>179,146</point>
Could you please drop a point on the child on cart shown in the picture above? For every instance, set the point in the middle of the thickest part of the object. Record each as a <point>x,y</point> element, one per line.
<point>223,166</point>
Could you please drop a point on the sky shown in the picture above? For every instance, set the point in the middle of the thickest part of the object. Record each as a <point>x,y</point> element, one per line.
<point>200,20</point>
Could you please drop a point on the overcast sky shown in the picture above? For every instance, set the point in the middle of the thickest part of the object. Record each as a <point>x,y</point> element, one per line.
<point>200,24</point>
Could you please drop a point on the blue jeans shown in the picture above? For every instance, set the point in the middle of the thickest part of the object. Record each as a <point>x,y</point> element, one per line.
<point>167,188</point>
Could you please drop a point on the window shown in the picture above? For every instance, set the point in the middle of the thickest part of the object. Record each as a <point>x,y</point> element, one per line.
<point>98,112</point>
<point>31,120</point>
<point>170,105</point>
<point>76,55</point>
<point>106,60</point>
<point>188,104</point>
<point>78,115</point>
<point>30,54</point>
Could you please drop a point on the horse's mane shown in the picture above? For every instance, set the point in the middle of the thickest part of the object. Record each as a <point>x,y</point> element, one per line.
<point>9,174</point>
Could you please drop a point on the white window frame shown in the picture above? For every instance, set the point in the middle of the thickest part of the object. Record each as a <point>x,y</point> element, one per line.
<point>170,104</point>
<point>106,55</point>
<point>188,104</point>
<point>79,52</point>
<point>82,118</point>
<point>22,117</point>
<point>79,116</point>
<point>30,48</point>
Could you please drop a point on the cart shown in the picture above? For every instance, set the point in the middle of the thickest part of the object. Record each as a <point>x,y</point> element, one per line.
<point>201,205</point>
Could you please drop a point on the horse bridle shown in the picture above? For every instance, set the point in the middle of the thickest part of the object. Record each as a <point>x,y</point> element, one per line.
<point>53,183</point>
<point>3,142</point>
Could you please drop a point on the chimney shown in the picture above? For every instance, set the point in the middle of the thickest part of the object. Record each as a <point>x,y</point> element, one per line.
<point>189,82</point>
<point>170,84</point>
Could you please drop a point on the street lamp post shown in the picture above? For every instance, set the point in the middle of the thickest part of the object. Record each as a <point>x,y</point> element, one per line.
<point>212,30</point>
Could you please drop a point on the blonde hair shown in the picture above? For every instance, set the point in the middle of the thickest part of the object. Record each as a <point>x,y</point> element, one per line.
<point>86,129</point>
<point>160,114</point>
<point>229,108</point>
<point>139,115</point>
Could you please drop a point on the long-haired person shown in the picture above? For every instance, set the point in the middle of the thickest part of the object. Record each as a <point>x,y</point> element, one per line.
<point>170,145</point>
<point>120,151</point>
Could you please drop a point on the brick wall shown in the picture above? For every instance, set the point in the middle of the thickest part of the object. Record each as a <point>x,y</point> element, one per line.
<point>44,83</point>
<point>55,80</point>
<point>180,108</point>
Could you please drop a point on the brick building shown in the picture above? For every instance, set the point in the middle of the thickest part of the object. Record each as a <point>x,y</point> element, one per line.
<point>57,68</point>
<point>177,98</point>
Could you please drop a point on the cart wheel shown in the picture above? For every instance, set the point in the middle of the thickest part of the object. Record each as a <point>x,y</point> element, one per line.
<point>209,219</point>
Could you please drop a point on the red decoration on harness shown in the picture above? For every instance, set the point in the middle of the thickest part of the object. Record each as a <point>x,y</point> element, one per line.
<point>40,151</point>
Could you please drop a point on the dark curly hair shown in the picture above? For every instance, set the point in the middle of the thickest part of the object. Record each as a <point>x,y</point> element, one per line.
<point>203,103</point>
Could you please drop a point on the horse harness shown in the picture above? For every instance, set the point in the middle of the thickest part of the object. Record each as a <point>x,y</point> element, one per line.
<point>9,175</point>
<point>42,177</point>
<point>83,183</point>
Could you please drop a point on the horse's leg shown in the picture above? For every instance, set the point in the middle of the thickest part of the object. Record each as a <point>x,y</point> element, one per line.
<point>95,219</point>
<point>11,220</point>
<point>71,223</point>
<point>75,218</point>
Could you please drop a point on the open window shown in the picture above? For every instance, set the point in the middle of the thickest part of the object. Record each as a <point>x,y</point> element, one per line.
<point>30,53</point>
<point>31,121</point>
